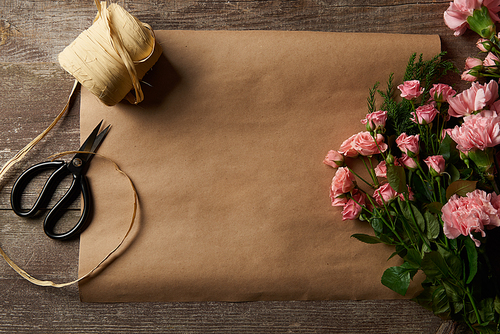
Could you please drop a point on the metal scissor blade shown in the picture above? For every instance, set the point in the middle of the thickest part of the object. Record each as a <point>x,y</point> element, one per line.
<point>100,137</point>
<point>89,142</point>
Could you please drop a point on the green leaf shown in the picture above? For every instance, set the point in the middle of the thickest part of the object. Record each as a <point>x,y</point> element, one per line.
<point>369,239</point>
<point>448,149</point>
<point>461,188</point>
<point>440,302</point>
<point>486,310</point>
<point>434,266</point>
<point>377,224</point>
<point>397,178</point>
<point>424,299</point>
<point>435,207</point>
<point>418,217</point>
<point>453,262</point>
<point>404,209</point>
<point>413,258</point>
<point>422,189</point>
<point>432,225</point>
<point>496,304</point>
<point>398,278</point>
<point>453,172</point>
<point>470,248</point>
<point>455,298</point>
<point>466,173</point>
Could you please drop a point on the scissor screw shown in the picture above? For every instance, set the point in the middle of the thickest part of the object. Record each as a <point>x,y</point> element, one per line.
<point>77,162</point>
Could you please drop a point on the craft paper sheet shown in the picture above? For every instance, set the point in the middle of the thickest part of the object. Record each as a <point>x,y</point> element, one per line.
<point>226,154</point>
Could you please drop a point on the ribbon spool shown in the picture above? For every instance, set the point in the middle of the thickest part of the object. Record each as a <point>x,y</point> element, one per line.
<point>111,57</point>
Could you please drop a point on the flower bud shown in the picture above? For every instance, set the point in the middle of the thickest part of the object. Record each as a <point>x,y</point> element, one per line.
<point>389,159</point>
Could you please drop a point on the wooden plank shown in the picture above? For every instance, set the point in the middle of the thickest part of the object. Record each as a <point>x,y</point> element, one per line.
<point>34,88</point>
<point>38,30</point>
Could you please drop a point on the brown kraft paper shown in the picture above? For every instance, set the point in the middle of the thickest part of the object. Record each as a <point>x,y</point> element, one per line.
<point>226,154</point>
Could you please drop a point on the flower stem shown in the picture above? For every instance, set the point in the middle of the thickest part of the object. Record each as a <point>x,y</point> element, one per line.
<point>473,303</point>
<point>359,177</point>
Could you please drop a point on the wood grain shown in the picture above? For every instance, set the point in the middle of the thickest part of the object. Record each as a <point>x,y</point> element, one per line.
<point>34,88</point>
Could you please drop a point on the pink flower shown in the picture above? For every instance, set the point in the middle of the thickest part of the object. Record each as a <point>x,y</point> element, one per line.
<point>375,120</point>
<point>456,15</point>
<point>408,162</point>
<point>490,60</point>
<point>481,44</point>
<point>473,99</point>
<point>436,164</point>
<point>477,131</point>
<point>347,149</point>
<point>410,89</point>
<point>464,215</point>
<point>466,76</point>
<point>408,144</point>
<point>424,114</point>
<point>366,145</point>
<point>339,201</point>
<point>472,62</point>
<point>342,183</point>
<point>495,201</point>
<point>353,207</point>
<point>384,194</point>
<point>334,159</point>
<point>381,169</point>
<point>441,92</point>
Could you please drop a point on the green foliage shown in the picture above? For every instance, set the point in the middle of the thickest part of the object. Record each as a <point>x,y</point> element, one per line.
<point>459,282</point>
<point>428,72</point>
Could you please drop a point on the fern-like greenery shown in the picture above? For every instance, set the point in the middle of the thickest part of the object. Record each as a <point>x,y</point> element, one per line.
<point>428,72</point>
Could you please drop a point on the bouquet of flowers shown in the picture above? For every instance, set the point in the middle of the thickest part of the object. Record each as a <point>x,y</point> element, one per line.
<point>430,188</point>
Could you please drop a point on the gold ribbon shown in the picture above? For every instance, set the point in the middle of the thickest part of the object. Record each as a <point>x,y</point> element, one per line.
<point>109,59</point>
<point>39,282</point>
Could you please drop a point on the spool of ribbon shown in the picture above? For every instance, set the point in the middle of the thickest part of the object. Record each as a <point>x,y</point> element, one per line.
<point>111,57</point>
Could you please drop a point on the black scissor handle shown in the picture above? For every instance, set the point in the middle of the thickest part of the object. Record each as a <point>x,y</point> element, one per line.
<point>79,185</point>
<point>47,191</point>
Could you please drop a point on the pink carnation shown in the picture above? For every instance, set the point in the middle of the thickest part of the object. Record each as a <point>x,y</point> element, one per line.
<point>473,99</point>
<point>410,89</point>
<point>456,15</point>
<point>342,183</point>
<point>478,131</point>
<point>365,144</point>
<point>464,215</point>
<point>408,144</point>
<point>441,92</point>
<point>353,207</point>
<point>424,114</point>
<point>375,120</point>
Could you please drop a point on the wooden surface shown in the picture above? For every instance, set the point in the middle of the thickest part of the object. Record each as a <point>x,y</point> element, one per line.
<point>33,88</point>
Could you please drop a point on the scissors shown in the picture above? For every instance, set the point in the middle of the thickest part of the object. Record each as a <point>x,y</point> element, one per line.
<point>79,185</point>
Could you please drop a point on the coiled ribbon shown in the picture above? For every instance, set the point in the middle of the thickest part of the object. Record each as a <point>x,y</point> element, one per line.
<point>109,59</point>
